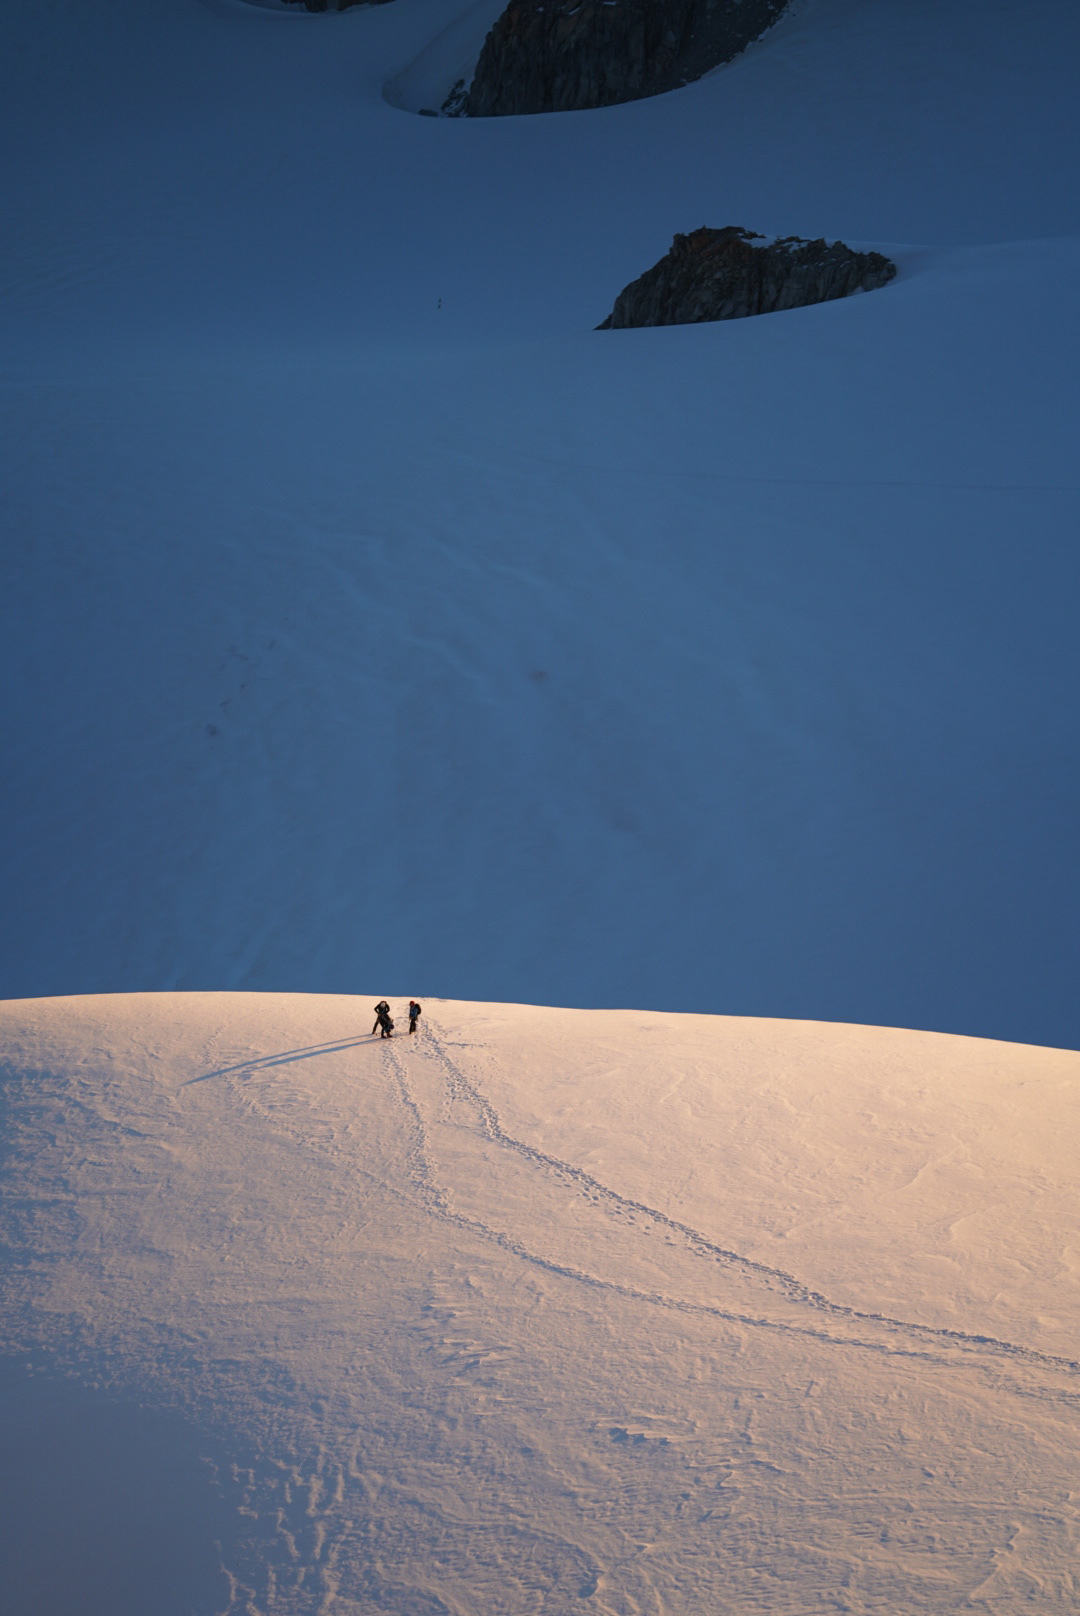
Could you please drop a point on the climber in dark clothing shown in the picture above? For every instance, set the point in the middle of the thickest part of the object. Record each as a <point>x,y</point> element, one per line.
<point>386,1025</point>
<point>414,1011</point>
<point>381,1009</point>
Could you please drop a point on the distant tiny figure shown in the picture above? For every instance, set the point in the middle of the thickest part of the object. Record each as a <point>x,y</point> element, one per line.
<point>414,1012</point>
<point>381,1009</point>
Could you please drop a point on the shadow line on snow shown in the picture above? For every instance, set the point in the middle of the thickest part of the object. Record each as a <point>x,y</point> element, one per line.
<point>284,1057</point>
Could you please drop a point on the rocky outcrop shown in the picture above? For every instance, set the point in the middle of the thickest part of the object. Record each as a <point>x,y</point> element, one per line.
<point>564,55</point>
<point>331,5</point>
<point>721,275</point>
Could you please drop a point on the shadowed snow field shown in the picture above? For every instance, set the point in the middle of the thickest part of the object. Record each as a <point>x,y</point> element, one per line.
<point>365,613</point>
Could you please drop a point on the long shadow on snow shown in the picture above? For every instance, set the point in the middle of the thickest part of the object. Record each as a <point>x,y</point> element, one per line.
<point>284,1057</point>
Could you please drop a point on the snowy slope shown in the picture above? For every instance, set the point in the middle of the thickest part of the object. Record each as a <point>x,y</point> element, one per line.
<point>542,1310</point>
<point>365,612</point>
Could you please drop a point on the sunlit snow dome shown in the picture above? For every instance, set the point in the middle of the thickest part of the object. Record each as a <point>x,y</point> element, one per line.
<point>535,1307</point>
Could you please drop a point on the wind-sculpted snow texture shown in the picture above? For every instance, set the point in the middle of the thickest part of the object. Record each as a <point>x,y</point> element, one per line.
<point>722,275</point>
<point>567,56</point>
<point>364,611</point>
<point>541,1308</point>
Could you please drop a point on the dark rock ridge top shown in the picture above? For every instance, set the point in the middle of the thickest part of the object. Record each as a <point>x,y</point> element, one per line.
<point>562,55</point>
<point>330,5</point>
<point>721,275</point>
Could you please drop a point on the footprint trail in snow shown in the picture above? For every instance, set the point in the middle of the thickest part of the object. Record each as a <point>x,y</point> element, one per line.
<point>493,1319</point>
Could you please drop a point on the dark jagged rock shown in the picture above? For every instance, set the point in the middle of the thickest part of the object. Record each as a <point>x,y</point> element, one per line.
<point>455,103</point>
<point>562,55</point>
<point>332,5</point>
<point>721,275</point>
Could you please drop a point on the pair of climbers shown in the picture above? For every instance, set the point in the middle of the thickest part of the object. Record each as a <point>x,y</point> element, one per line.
<point>384,1024</point>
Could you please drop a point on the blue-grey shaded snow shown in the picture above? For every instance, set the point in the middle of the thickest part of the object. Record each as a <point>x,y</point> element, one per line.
<point>347,636</point>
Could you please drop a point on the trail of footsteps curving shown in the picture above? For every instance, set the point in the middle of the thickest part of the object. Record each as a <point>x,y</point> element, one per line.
<point>437,1205</point>
<point>433,1199</point>
<point>771,1279</point>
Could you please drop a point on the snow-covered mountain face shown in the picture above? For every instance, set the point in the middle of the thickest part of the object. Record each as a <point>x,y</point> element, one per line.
<point>368,616</point>
<point>537,1311</point>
